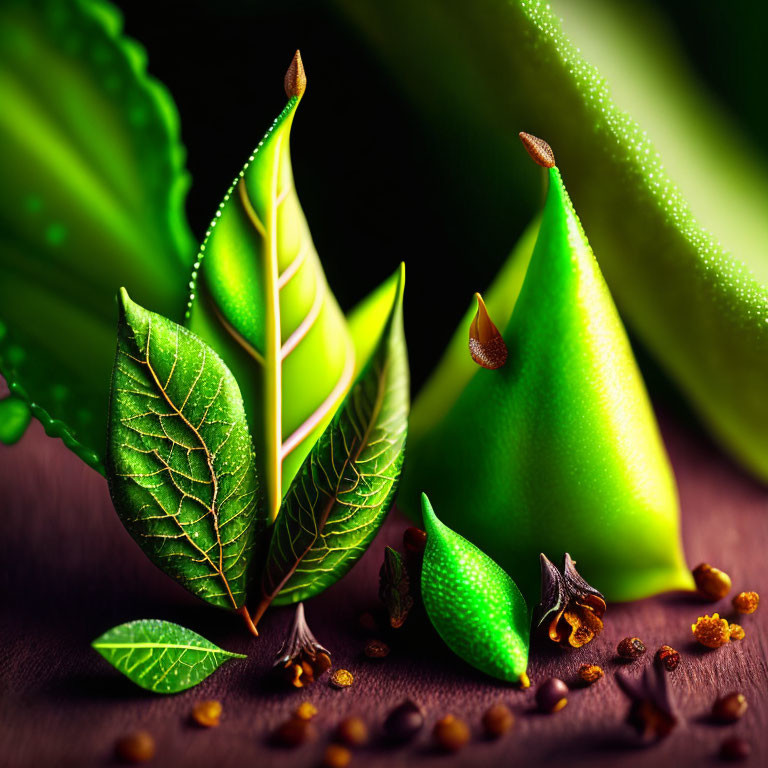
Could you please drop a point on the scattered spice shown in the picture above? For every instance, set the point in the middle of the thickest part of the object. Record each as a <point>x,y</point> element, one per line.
<point>552,695</point>
<point>342,678</point>
<point>395,587</point>
<point>301,658</point>
<point>451,734</point>
<point>668,657</point>
<point>737,631</point>
<point>572,608</point>
<point>651,712</point>
<point>729,708</point>
<point>746,602</point>
<point>486,344</point>
<point>498,720</point>
<point>735,749</point>
<point>414,540</point>
<point>353,732</point>
<point>538,149</point>
<point>368,622</point>
<point>135,748</point>
<point>590,673</point>
<point>305,711</point>
<point>336,756</point>
<point>376,649</point>
<point>404,721</point>
<point>207,713</point>
<point>711,631</point>
<point>713,583</point>
<point>631,648</point>
<point>294,732</point>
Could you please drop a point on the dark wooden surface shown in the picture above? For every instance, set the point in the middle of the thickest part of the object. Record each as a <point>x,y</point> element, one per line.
<point>69,571</point>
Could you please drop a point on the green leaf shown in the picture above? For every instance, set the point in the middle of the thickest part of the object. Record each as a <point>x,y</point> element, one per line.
<point>262,302</point>
<point>161,656</point>
<point>91,197</point>
<point>180,460</point>
<point>339,499</point>
<point>14,418</point>
<point>473,604</point>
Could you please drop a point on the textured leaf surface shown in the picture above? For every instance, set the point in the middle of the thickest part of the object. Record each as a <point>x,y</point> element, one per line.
<point>161,656</point>
<point>340,497</point>
<point>91,198</point>
<point>180,460</point>
<point>262,301</point>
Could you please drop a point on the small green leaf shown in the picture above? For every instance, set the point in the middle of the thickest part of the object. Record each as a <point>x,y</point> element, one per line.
<point>180,460</point>
<point>345,488</point>
<point>14,418</point>
<point>473,604</point>
<point>161,656</point>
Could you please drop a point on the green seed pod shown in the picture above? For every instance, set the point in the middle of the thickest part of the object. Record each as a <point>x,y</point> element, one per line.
<point>473,604</point>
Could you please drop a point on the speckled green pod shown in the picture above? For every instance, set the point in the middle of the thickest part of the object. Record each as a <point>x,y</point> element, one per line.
<point>473,604</point>
<point>558,450</point>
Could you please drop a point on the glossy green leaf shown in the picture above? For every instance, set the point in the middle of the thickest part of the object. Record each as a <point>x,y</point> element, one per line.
<point>14,418</point>
<point>691,278</point>
<point>472,603</point>
<point>91,197</point>
<point>180,460</point>
<point>262,301</point>
<point>558,450</point>
<point>161,656</point>
<point>341,495</point>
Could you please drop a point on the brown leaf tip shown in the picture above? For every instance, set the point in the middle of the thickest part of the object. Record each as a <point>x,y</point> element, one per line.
<point>538,149</point>
<point>486,345</point>
<point>295,78</point>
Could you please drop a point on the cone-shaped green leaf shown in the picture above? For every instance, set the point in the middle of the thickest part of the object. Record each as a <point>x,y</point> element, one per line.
<point>473,604</point>
<point>558,450</point>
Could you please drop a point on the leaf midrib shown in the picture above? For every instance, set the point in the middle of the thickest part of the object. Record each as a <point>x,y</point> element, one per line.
<point>167,646</point>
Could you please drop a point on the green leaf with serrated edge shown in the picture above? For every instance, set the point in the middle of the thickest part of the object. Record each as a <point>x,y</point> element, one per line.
<point>180,459</point>
<point>161,656</point>
<point>262,302</point>
<point>91,197</point>
<point>345,488</point>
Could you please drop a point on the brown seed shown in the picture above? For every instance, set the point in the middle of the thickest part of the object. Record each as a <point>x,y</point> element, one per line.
<point>294,732</point>
<point>336,756</point>
<point>630,648</point>
<point>295,81</point>
<point>711,631</point>
<point>404,722</point>
<point>368,622</point>
<point>729,708</point>
<point>669,657</point>
<point>737,632</point>
<point>450,733</point>
<point>538,149</point>
<point>498,720</point>
<point>735,749</point>
<point>353,732</point>
<point>207,713</point>
<point>342,678</point>
<point>746,602</point>
<point>713,583</point>
<point>305,711</point>
<point>590,673</point>
<point>552,695</point>
<point>414,540</point>
<point>376,649</point>
<point>135,748</point>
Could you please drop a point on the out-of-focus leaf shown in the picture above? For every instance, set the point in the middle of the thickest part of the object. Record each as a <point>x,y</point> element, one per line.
<point>14,418</point>
<point>91,198</point>
<point>180,461</point>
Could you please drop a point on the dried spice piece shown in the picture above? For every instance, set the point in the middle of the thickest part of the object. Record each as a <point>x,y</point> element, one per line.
<point>376,649</point>
<point>711,631</point>
<point>295,81</point>
<point>735,749</point>
<point>486,344</point>
<point>498,720</point>
<point>730,708</point>
<point>746,602</point>
<point>305,711</point>
<point>538,149</point>
<point>336,756</point>
<point>135,748</point>
<point>631,648</point>
<point>668,657</point>
<point>552,695</point>
<point>737,631</point>
<point>651,712</point>
<point>294,732</point>
<point>207,713</point>
<point>713,583</point>
<point>395,587</point>
<point>414,540</point>
<point>353,732</point>
<point>342,678</point>
<point>404,722</point>
<point>590,673</point>
<point>301,658</point>
<point>572,608</point>
<point>451,734</point>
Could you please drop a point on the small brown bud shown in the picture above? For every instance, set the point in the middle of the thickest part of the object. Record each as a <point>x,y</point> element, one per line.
<point>737,632</point>
<point>498,720</point>
<point>135,748</point>
<point>590,673</point>
<point>735,750</point>
<point>305,711</point>
<point>713,583</point>
<point>336,756</point>
<point>414,540</point>
<point>668,657</point>
<point>353,732</point>
<point>376,649</point>
<point>342,678</point>
<point>630,648</point>
<point>294,732</point>
<point>746,602</point>
<point>729,708</point>
<point>538,149</point>
<point>486,344</point>
<point>207,713</point>
<point>451,734</point>
<point>711,631</point>
<point>295,78</point>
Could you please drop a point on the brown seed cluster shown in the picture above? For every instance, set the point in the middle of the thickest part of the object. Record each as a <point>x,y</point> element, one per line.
<point>497,721</point>
<point>631,648</point>
<point>746,602</point>
<point>451,734</point>
<point>711,631</point>
<point>207,714</point>
<point>737,632</point>
<point>376,649</point>
<point>590,673</point>
<point>713,583</point>
<point>668,657</point>
<point>342,678</point>
<point>138,747</point>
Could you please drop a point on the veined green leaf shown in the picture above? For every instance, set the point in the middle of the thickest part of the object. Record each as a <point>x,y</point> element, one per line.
<point>161,656</point>
<point>262,301</point>
<point>91,197</point>
<point>346,486</point>
<point>180,460</point>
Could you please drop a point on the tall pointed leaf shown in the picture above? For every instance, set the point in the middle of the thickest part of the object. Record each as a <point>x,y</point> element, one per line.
<point>262,301</point>
<point>180,461</point>
<point>346,486</point>
<point>91,197</point>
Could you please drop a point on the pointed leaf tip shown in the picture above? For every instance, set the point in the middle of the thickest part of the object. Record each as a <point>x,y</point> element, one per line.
<point>295,78</point>
<point>486,345</point>
<point>538,149</point>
